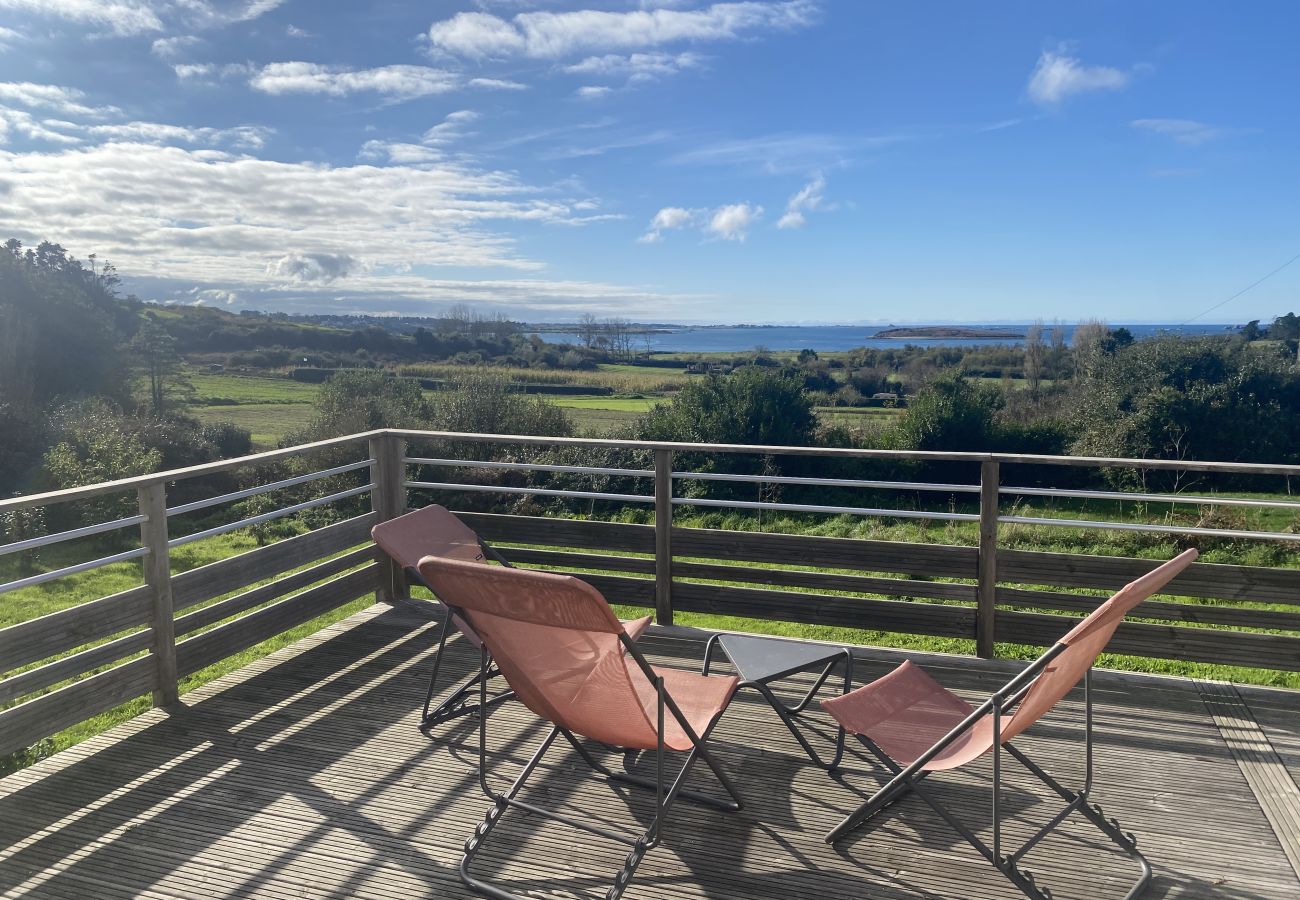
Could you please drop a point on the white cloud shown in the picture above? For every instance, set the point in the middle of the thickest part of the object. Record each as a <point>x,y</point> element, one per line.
<point>777,154</point>
<point>218,219</point>
<point>171,47</point>
<point>294,31</point>
<point>187,71</point>
<point>17,121</point>
<point>134,17</point>
<point>732,222</point>
<point>213,71</point>
<point>593,91</point>
<point>51,96</point>
<point>575,149</point>
<point>670,218</point>
<point>808,198</point>
<point>1184,131</point>
<point>497,84</point>
<point>477,35</point>
<point>244,137</point>
<point>399,153</point>
<point>307,268</point>
<point>202,296</point>
<point>8,36</point>
<point>729,223</point>
<point>635,67</point>
<point>553,35</point>
<point>401,82</point>
<point>121,17</point>
<point>451,128</point>
<point>1058,76</point>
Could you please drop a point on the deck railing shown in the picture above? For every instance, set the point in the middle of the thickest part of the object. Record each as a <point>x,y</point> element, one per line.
<point>66,666</point>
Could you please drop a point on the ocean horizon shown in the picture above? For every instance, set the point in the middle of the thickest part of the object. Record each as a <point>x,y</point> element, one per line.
<point>832,338</point>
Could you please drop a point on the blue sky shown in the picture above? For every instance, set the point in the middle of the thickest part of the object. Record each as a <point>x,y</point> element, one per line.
<point>765,161</point>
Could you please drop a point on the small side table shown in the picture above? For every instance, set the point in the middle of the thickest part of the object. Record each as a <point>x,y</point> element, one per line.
<point>762,660</point>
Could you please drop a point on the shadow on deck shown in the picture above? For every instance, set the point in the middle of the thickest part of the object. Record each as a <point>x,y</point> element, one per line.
<point>303,776</point>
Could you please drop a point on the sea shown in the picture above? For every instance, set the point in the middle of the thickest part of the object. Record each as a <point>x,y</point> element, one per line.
<point>740,338</point>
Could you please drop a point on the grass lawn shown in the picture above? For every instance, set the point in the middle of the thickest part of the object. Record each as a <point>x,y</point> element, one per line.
<point>217,389</point>
<point>268,422</point>
<point>620,404</point>
<point>601,422</point>
<point>856,415</point>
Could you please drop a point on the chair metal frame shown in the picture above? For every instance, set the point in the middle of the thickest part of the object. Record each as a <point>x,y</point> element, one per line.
<point>665,793</point>
<point>786,712</point>
<point>458,702</point>
<point>907,780</point>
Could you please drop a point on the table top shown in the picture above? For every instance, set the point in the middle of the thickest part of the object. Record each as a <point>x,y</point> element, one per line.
<point>764,659</point>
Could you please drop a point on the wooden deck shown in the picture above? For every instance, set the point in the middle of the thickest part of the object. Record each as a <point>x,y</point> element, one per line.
<point>303,776</point>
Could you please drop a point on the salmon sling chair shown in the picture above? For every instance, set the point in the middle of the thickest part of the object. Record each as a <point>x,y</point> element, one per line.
<point>569,660</point>
<point>915,727</point>
<point>435,531</point>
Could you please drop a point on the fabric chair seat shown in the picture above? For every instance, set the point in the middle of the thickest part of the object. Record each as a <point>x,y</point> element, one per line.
<point>906,712</point>
<point>701,698</point>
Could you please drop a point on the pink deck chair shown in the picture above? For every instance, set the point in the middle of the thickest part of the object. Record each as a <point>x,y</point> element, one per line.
<point>569,660</point>
<point>915,726</point>
<point>435,531</point>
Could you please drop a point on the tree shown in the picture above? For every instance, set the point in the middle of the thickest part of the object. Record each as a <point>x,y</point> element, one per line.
<point>949,413</point>
<point>1089,347</point>
<point>619,332</point>
<point>92,445</point>
<point>154,356</point>
<point>485,403</point>
<point>1035,355</point>
<point>750,406</point>
<point>355,401</point>
<point>1208,399</point>
<point>1285,328</point>
<point>588,330</point>
<point>60,326</point>
<point>1058,352</point>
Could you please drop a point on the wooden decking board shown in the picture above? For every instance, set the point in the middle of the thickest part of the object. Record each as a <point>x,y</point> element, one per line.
<point>305,778</point>
<point>1270,781</point>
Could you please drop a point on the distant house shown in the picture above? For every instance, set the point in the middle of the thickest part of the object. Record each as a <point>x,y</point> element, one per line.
<point>216,367</point>
<point>884,395</point>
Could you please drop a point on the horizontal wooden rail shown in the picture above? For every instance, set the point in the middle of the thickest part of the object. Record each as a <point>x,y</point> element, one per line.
<point>27,723</point>
<point>74,665</point>
<point>236,572</point>
<point>59,632</point>
<point>1206,580</point>
<point>1206,645</point>
<point>225,640</point>
<point>233,606</point>
<point>1199,613</point>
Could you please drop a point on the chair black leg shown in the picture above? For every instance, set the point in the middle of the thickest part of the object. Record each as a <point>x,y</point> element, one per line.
<point>639,844</point>
<point>886,796</point>
<point>458,702</point>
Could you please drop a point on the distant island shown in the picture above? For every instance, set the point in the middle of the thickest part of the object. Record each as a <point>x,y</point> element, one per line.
<point>946,333</point>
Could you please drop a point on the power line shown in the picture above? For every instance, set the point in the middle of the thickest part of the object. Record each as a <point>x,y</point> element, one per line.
<point>1243,290</point>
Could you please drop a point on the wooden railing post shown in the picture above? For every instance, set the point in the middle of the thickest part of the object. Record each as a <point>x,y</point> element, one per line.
<point>158,578</point>
<point>664,537</point>
<point>388,500</point>
<point>987,590</point>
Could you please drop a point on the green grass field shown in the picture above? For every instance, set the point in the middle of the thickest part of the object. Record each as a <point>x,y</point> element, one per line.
<point>212,389</point>
<point>269,423</point>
